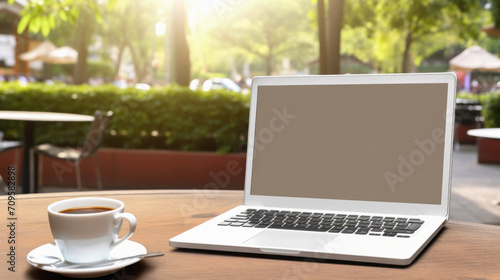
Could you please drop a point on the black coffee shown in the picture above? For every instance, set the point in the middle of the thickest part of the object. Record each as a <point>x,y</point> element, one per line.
<point>86,210</point>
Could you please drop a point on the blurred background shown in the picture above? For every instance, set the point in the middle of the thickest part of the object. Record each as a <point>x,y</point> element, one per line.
<point>226,42</point>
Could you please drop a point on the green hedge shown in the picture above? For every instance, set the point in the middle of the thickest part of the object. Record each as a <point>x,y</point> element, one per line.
<point>173,117</point>
<point>491,110</point>
<point>491,106</point>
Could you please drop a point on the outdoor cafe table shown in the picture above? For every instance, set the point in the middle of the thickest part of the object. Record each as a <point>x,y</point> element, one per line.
<point>460,251</point>
<point>29,118</point>
<point>489,133</point>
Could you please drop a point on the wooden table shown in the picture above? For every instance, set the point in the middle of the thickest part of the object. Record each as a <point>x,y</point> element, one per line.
<point>29,118</point>
<point>460,251</point>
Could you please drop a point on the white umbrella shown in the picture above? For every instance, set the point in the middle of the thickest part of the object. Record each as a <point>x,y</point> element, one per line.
<point>37,53</point>
<point>475,58</point>
<point>62,55</point>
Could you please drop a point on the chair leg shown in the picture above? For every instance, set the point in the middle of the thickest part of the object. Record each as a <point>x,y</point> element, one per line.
<point>3,185</point>
<point>78,175</point>
<point>17,158</point>
<point>98,171</point>
<point>39,160</point>
<point>32,171</point>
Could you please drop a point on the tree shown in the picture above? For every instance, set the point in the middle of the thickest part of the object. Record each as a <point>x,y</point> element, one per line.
<point>84,29</point>
<point>267,31</point>
<point>181,66</point>
<point>335,15</point>
<point>323,50</point>
<point>394,28</point>
<point>44,16</point>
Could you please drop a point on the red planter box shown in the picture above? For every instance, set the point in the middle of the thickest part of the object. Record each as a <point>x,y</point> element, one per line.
<point>461,135</point>
<point>145,169</point>
<point>488,150</point>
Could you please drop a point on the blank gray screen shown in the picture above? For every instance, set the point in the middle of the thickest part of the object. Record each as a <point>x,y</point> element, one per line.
<point>377,142</point>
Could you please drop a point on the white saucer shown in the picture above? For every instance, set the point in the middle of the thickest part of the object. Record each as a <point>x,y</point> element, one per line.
<point>127,248</point>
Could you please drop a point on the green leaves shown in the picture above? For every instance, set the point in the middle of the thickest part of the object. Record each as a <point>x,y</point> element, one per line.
<point>44,16</point>
<point>491,110</point>
<point>172,117</point>
<point>23,23</point>
<point>386,33</point>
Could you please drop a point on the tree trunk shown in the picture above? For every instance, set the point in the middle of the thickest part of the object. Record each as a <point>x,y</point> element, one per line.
<point>335,17</point>
<point>181,66</point>
<point>116,71</point>
<point>323,60</point>
<point>83,40</point>
<point>269,65</point>
<point>406,67</point>
<point>140,66</point>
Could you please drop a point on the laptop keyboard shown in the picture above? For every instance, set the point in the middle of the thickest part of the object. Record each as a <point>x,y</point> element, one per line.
<point>325,222</point>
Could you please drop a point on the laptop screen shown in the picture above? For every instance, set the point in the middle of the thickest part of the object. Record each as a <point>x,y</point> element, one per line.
<point>368,142</point>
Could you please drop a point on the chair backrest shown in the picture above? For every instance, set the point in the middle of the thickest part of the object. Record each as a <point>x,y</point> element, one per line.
<point>94,137</point>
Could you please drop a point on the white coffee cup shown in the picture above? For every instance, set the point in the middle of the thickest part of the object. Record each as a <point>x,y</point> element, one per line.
<point>88,237</point>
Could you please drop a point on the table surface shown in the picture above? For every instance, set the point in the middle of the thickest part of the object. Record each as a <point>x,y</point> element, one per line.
<point>460,251</point>
<point>44,116</point>
<point>492,133</point>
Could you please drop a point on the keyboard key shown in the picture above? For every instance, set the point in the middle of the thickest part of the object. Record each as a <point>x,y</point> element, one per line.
<point>339,222</point>
<point>398,231</point>
<point>349,230</point>
<point>249,225</point>
<point>337,229</point>
<point>362,231</point>
<point>401,220</point>
<point>261,225</point>
<point>402,225</point>
<point>413,227</point>
<point>301,226</point>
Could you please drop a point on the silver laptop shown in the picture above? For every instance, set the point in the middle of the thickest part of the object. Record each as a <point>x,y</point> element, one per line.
<point>343,167</point>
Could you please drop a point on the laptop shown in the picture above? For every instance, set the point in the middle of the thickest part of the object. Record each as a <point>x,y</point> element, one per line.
<point>342,167</point>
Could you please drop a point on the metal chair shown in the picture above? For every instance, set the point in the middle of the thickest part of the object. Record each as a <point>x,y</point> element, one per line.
<point>90,146</point>
<point>6,145</point>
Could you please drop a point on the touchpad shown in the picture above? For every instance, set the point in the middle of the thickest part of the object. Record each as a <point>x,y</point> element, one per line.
<point>291,240</point>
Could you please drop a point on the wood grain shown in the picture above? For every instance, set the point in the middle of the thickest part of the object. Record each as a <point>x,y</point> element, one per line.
<point>460,251</point>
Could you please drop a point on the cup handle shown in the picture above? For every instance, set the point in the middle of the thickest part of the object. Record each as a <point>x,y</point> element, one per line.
<point>132,222</point>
